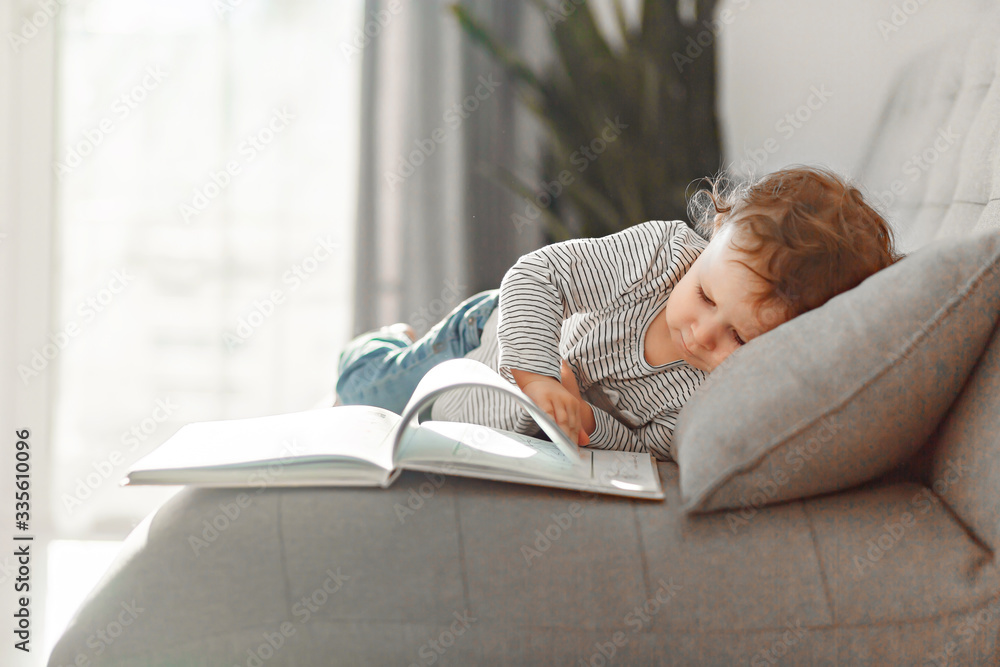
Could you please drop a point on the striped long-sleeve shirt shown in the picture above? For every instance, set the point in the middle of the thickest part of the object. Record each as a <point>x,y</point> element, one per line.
<point>590,301</point>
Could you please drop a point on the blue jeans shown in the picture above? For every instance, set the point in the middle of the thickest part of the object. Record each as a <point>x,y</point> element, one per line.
<point>383,369</point>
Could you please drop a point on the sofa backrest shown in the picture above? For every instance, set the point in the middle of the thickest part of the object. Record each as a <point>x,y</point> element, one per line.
<point>932,161</point>
<point>933,167</point>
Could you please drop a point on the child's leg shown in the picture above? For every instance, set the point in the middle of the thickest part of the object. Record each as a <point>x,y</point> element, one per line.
<point>383,368</point>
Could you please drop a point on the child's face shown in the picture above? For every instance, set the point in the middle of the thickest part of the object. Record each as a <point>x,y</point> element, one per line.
<point>710,311</point>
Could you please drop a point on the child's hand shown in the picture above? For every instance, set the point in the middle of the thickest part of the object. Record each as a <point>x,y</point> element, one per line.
<point>587,423</point>
<point>555,400</point>
<point>568,380</point>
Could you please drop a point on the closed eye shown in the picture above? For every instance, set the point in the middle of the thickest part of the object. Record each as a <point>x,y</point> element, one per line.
<point>704,298</point>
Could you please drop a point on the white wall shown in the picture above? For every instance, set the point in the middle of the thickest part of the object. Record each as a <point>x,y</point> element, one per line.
<point>773,54</point>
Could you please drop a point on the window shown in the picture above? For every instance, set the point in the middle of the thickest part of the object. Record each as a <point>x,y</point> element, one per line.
<point>205,162</point>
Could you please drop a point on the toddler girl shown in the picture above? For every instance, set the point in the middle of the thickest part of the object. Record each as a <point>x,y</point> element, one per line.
<point>611,336</point>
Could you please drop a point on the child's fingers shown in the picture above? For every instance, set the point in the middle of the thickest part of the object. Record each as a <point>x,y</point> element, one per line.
<point>559,412</point>
<point>572,416</point>
<point>584,437</point>
<point>565,411</point>
<point>562,418</point>
<point>552,410</point>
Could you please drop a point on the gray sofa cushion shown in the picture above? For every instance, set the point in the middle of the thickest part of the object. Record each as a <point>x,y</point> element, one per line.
<point>345,578</point>
<point>852,389</point>
<point>966,450</point>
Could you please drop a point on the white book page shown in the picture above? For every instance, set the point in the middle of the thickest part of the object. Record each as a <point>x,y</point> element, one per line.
<point>478,451</point>
<point>460,445</point>
<point>458,373</point>
<point>361,433</point>
<point>628,471</point>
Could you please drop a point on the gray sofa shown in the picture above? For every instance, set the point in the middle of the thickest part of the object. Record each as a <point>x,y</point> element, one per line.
<point>454,571</point>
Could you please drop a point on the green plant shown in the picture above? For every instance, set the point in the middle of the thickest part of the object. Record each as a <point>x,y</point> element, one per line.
<point>664,105</point>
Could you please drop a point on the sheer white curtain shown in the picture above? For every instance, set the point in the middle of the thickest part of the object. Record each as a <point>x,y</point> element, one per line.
<point>205,162</point>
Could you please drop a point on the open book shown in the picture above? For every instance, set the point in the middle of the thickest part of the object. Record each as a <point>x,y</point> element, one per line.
<point>357,445</point>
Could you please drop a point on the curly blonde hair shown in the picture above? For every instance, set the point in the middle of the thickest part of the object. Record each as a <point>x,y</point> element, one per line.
<point>808,233</point>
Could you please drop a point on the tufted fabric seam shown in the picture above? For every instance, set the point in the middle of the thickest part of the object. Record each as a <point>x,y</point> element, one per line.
<point>283,561</point>
<point>832,610</point>
<point>461,553</point>
<point>643,561</point>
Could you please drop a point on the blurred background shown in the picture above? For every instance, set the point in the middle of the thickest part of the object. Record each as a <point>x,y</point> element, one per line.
<point>203,200</point>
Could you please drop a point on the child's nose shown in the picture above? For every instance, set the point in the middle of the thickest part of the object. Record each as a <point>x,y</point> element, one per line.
<point>704,335</point>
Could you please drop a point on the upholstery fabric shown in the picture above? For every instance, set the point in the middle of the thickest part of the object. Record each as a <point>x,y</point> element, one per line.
<point>485,573</point>
<point>965,471</point>
<point>845,392</point>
